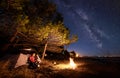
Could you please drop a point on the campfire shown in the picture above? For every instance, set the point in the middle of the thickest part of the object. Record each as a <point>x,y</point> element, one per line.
<point>70,65</point>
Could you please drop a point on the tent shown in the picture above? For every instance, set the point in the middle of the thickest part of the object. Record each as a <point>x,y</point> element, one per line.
<point>11,61</point>
<point>23,57</point>
<point>15,60</point>
<point>22,60</point>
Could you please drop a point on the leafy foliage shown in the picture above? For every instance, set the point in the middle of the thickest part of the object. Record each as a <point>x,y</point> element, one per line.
<point>37,19</point>
<point>55,33</point>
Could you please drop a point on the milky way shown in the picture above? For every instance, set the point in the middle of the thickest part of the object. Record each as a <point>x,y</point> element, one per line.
<point>92,22</point>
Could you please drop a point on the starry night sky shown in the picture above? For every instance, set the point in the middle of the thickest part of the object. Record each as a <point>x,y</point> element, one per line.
<point>97,24</point>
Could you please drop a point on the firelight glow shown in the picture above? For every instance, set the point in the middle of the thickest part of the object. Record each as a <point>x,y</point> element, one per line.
<point>70,65</point>
<point>28,49</point>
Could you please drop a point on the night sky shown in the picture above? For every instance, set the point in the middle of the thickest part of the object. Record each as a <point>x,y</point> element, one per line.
<point>97,24</point>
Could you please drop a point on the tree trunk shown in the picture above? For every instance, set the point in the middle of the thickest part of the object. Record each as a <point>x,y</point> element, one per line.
<point>44,51</point>
<point>14,45</point>
<point>14,36</point>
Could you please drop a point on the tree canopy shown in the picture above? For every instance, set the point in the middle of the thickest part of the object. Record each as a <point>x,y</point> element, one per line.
<point>37,19</point>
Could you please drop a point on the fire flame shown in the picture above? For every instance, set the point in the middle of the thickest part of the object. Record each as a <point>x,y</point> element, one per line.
<point>72,64</point>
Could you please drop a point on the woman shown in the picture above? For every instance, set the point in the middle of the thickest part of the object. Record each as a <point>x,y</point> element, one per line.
<point>32,61</point>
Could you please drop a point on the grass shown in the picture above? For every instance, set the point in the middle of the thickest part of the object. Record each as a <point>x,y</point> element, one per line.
<point>92,68</point>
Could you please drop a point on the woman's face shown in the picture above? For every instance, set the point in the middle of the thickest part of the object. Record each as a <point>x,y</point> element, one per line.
<point>33,54</point>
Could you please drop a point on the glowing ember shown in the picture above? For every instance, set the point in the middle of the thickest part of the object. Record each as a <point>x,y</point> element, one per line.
<point>72,64</point>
